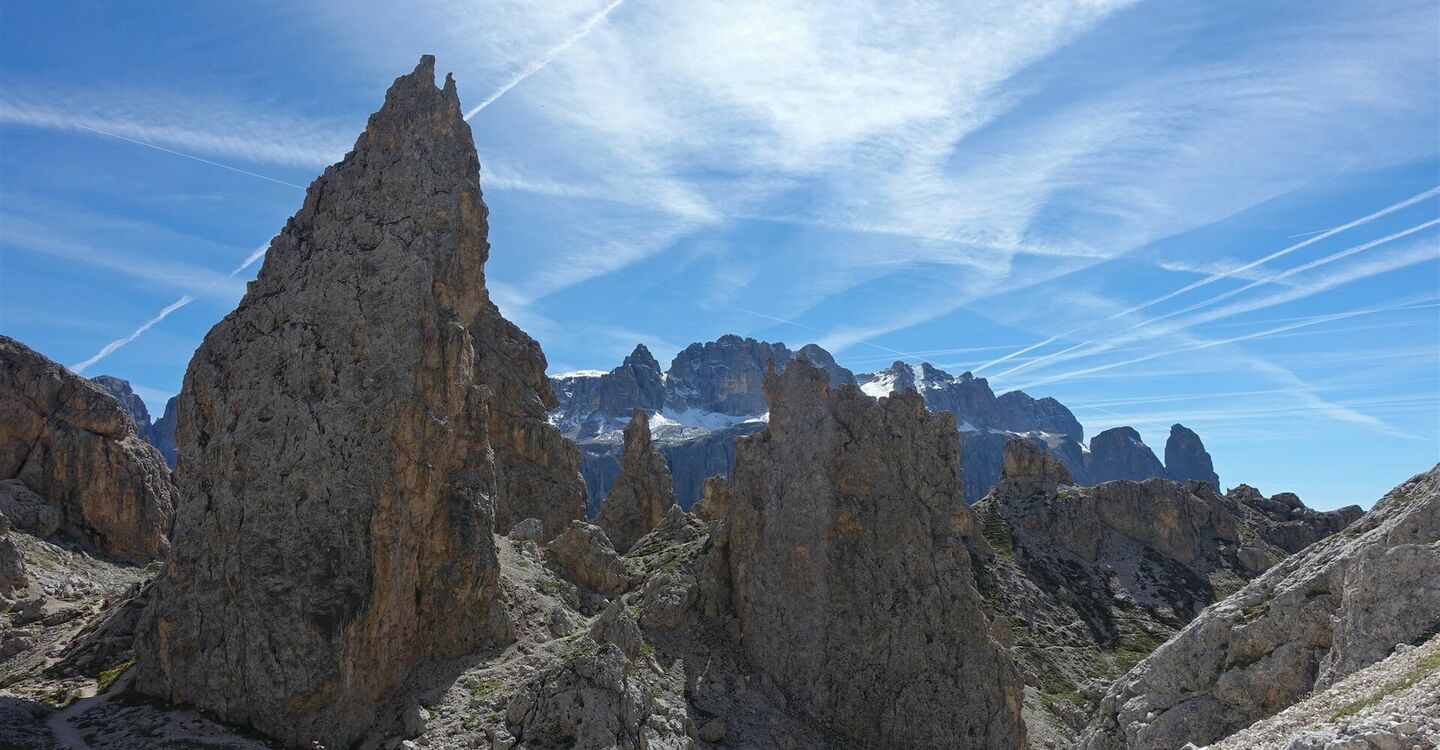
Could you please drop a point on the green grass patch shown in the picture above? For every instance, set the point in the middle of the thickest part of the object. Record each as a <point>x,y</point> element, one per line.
<point>109,676</point>
<point>997,532</point>
<point>549,586</point>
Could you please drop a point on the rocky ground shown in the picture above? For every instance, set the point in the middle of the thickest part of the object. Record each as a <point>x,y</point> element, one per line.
<point>1391,705</point>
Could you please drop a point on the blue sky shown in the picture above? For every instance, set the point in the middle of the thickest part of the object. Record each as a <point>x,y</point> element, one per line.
<point>1217,213</point>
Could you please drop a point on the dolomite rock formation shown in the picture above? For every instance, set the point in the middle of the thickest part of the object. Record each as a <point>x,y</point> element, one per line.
<point>345,437</point>
<point>133,404</point>
<point>643,492</point>
<point>69,441</point>
<point>1186,457</point>
<point>1119,453</point>
<point>1091,579</point>
<point>1331,610</point>
<point>847,538</point>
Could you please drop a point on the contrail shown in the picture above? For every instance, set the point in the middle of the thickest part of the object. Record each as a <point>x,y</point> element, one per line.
<point>547,58</point>
<point>1112,338</point>
<point>1432,192</point>
<point>106,350</point>
<point>110,348</point>
<point>188,156</point>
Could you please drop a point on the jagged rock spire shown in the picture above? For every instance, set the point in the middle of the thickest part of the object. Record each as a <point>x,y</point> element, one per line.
<point>345,437</point>
<point>848,557</point>
<point>642,493</point>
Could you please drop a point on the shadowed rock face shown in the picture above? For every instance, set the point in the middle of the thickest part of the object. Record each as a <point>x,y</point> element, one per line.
<point>344,436</point>
<point>1186,457</point>
<point>1336,607</point>
<point>1119,453</point>
<point>848,557</point>
<point>133,404</point>
<point>642,493</point>
<point>162,433</point>
<point>70,442</point>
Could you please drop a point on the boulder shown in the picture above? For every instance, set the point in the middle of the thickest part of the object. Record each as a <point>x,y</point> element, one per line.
<point>584,553</point>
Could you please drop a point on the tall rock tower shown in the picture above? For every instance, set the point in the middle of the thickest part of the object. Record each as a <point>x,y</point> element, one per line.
<point>345,437</point>
<point>852,581</point>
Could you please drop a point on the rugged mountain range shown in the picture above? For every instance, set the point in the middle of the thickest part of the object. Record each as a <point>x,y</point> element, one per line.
<point>352,435</point>
<point>712,394</point>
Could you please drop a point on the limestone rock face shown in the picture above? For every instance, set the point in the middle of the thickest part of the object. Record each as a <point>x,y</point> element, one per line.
<point>70,442</point>
<point>1119,453</point>
<point>847,543</point>
<point>1186,457</point>
<point>1293,526</point>
<point>133,404</point>
<point>642,493</point>
<point>162,433</point>
<point>725,376</point>
<point>1026,460</point>
<point>26,510</point>
<point>586,555</point>
<point>12,564</point>
<point>338,450</point>
<point>1334,608</point>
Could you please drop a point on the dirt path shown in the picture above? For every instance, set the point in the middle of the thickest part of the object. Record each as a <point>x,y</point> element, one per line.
<point>66,734</point>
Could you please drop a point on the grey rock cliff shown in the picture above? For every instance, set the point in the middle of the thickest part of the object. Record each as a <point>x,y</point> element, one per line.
<point>1186,457</point>
<point>643,492</point>
<point>1092,579</point>
<point>1119,453</point>
<point>847,546</point>
<point>133,404</point>
<point>162,433</point>
<point>70,442</point>
<point>1332,609</point>
<point>345,437</point>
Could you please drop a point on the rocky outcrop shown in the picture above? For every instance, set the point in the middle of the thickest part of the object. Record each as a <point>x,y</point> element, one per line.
<point>1293,526</point>
<point>1186,457</point>
<point>131,403</point>
<point>724,376</point>
<point>974,405</point>
<point>1119,453</point>
<point>643,492</point>
<point>162,433</point>
<point>12,565</point>
<point>590,404</point>
<point>70,442</point>
<point>587,557</point>
<point>1092,579</point>
<point>346,435</point>
<point>816,355</point>
<point>847,546</point>
<point>1318,616</point>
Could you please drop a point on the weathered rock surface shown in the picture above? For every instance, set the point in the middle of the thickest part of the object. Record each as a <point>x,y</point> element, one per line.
<point>847,548</point>
<point>131,403</point>
<point>162,433</point>
<point>586,555</point>
<point>70,442</point>
<point>12,565</point>
<point>1092,579</point>
<point>1293,526</point>
<point>26,510</point>
<point>642,493</point>
<point>1186,457</point>
<point>1394,703</point>
<point>336,435</point>
<point>1316,617</point>
<point>1119,453</point>
<point>711,395</point>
